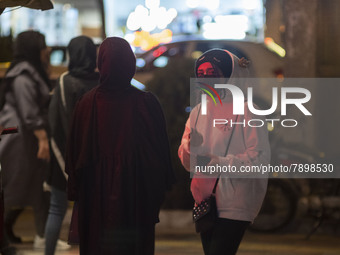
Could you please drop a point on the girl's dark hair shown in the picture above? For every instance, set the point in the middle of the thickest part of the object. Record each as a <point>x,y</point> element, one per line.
<point>27,47</point>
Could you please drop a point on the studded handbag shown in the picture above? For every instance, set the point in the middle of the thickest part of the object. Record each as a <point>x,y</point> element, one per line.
<point>205,213</point>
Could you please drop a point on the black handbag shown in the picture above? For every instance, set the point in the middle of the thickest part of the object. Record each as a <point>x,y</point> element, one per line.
<point>205,213</point>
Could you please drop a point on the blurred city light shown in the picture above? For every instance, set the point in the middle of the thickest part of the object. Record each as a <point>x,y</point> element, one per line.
<point>208,4</point>
<point>161,62</point>
<point>137,84</point>
<point>271,45</point>
<point>213,19</point>
<point>158,52</point>
<point>188,109</point>
<point>212,4</point>
<point>147,41</point>
<point>140,62</point>
<point>150,18</point>
<point>207,19</point>
<point>192,3</point>
<point>226,27</point>
<point>151,4</point>
<point>252,4</point>
<point>59,25</point>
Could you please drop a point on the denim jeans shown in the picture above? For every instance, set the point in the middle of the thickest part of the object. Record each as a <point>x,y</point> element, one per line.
<point>56,214</point>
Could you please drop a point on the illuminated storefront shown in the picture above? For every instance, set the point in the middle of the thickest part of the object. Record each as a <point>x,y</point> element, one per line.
<point>147,23</point>
<point>144,23</point>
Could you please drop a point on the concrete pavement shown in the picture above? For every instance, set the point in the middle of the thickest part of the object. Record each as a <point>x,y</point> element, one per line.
<point>179,238</point>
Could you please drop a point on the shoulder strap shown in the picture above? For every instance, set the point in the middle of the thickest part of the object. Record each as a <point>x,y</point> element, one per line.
<point>214,190</point>
<point>62,89</point>
<point>54,146</point>
<point>226,153</point>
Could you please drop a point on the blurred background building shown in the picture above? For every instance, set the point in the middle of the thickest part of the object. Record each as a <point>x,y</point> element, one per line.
<point>144,20</point>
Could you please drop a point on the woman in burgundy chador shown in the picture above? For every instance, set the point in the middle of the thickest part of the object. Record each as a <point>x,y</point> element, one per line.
<point>118,159</point>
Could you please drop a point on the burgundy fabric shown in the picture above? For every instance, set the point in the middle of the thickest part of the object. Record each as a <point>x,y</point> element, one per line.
<point>73,235</point>
<point>118,163</point>
<point>116,63</point>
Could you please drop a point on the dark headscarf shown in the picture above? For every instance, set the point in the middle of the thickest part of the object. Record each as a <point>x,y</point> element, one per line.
<point>83,56</point>
<point>116,63</point>
<point>27,47</point>
<point>220,58</point>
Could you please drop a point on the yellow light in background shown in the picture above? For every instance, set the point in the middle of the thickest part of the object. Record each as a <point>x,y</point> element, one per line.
<point>271,45</point>
<point>5,64</point>
<point>196,54</point>
<point>270,127</point>
<point>147,41</point>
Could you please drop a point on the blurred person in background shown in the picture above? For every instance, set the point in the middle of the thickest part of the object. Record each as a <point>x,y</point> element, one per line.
<point>24,156</point>
<point>238,199</point>
<point>80,78</point>
<point>118,159</point>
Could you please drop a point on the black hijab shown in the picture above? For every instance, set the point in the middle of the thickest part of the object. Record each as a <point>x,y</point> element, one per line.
<point>83,56</point>
<point>116,63</point>
<point>27,47</point>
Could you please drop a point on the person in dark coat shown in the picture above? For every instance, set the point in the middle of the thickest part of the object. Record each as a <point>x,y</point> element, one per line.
<point>118,159</point>
<point>24,156</point>
<point>80,78</point>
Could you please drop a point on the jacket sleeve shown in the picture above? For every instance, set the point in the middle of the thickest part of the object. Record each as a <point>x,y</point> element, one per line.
<point>27,100</point>
<point>184,148</point>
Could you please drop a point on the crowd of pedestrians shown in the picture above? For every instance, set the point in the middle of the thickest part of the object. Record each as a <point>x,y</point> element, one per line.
<point>98,141</point>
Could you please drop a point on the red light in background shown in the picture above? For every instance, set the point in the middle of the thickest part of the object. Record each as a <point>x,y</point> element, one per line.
<point>158,52</point>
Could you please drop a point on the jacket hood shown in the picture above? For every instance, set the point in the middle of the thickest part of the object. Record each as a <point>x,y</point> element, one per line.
<point>116,63</point>
<point>22,67</point>
<point>234,69</point>
<point>83,56</point>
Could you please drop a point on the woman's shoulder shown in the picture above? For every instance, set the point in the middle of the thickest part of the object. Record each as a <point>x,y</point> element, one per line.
<point>24,72</point>
<point>88,96</point>
<point>21,68</point>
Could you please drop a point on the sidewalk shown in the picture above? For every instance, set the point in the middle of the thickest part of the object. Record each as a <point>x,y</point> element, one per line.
<point>176,236</point>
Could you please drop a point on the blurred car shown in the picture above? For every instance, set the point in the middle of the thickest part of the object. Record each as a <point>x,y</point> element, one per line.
<point>264,62</point>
